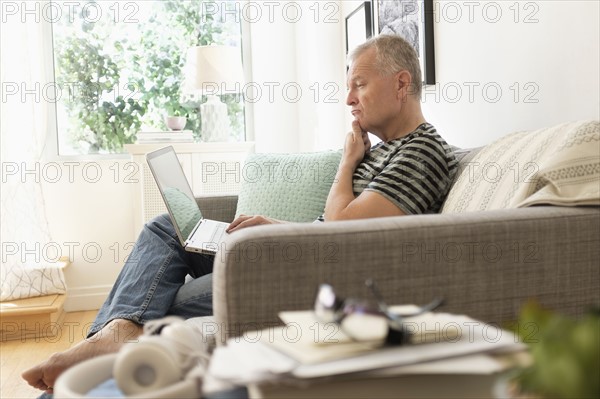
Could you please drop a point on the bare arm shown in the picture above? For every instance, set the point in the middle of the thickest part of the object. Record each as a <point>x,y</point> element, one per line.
<point>341,203</point>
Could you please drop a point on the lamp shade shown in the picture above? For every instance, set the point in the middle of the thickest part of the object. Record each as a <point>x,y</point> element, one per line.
<point>213,70</point>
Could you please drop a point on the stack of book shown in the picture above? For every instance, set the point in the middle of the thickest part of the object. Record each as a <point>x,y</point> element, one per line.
<point>181,136</point>
<point>449,356</point>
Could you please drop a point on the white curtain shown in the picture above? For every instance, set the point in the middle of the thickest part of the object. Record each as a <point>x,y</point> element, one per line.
<point>25,106</point>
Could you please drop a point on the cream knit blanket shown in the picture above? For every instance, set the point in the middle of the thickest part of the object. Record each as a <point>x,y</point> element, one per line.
<point>559,165</point>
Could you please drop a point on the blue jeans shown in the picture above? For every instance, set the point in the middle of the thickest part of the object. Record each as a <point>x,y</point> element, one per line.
<point>151,283</point>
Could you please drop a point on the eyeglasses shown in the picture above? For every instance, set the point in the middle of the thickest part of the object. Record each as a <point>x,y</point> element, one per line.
<point>361,320</point>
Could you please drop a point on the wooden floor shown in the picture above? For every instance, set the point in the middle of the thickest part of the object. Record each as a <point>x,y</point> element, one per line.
<point>16,356</point>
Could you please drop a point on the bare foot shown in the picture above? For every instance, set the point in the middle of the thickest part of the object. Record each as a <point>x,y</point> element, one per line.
<point>108,340</point>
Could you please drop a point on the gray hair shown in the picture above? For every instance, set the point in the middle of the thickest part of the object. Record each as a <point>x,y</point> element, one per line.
<point>393,54</point>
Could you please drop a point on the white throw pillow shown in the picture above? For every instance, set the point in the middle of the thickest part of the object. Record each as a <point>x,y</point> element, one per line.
<point>559,165</point>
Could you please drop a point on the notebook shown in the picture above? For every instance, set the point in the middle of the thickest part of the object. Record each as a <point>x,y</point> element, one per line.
<point>196,233</point>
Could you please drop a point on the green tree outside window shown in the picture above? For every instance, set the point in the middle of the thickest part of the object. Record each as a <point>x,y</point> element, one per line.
<point>124,71</point>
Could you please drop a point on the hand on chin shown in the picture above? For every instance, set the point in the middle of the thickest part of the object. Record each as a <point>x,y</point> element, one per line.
<point>358,117</point>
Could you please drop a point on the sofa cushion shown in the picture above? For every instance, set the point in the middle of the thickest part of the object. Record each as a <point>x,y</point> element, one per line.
<point>558,166</point>
<point>292,187</point>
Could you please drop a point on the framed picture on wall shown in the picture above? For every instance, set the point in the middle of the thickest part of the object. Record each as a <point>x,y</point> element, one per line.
<point>359,26</point>
<point>413,20</point>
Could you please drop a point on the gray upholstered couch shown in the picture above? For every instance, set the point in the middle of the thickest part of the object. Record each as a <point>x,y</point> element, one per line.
<point>485,264</point>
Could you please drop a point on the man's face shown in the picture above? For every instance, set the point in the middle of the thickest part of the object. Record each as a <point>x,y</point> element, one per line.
<point>374,98</point>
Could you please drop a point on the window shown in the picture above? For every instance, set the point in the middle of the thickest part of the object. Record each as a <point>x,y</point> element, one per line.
<point>119,68</point>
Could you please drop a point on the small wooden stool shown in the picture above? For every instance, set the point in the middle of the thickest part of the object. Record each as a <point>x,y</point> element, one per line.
<point>36,317</point>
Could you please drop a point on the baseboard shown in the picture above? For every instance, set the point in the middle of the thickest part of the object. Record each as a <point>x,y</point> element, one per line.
<point>86,298</point>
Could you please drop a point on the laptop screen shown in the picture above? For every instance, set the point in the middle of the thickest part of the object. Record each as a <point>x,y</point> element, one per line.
<point>175,190</point>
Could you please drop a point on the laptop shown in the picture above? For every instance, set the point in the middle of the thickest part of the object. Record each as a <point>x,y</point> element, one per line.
<point>195,233</point>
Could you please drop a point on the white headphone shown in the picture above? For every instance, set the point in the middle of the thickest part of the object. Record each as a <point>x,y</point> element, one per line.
<point>169,365</point>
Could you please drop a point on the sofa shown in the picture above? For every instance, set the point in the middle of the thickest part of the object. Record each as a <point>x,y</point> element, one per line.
<point>497,243</point>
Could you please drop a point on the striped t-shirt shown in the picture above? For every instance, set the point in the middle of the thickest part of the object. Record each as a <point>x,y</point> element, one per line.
<point>414,172</point>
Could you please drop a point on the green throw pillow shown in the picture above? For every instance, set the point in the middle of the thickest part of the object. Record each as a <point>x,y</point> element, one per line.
<point>292,187</point>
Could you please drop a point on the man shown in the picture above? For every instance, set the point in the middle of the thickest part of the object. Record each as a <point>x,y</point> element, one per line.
<point>409,172</point>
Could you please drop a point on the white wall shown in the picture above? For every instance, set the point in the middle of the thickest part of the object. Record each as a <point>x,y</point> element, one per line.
<point>558,56</point>
<point>90,215</point>
<point>547,69</point>
<point>298,50</point>
<point>273,60</point>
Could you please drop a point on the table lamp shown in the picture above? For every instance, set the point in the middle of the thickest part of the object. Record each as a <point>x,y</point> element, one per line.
<point>212,71</point>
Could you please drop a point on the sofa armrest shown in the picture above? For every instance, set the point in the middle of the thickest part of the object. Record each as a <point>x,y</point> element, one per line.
<point>219,207</point>
<point>485,264</point>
